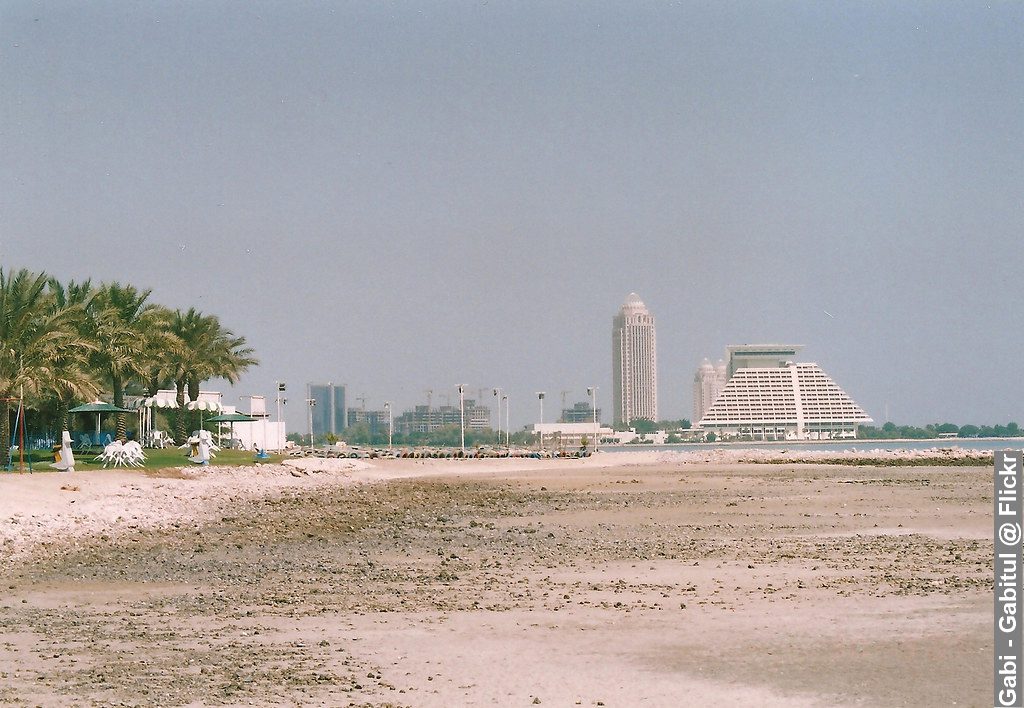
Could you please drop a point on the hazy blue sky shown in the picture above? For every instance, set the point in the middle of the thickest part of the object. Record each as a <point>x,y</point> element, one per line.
<point>401,196</point>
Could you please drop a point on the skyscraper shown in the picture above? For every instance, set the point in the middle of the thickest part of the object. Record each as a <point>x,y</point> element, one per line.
<point>329,411</point>
<point>708,382</point>
<point>634,362</point>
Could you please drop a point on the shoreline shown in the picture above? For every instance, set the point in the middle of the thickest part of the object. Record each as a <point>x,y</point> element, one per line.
<point>40,509</point>
<point>615,580</point>
<point>43,509</point>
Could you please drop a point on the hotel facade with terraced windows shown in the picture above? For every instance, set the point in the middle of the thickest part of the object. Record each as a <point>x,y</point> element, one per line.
<point>769,396</point>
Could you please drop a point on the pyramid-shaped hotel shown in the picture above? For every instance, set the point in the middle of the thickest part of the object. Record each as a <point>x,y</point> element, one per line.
<point>768,396</point>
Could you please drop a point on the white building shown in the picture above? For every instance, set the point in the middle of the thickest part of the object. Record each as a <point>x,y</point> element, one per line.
<point>259,435</point>
<point>634,363</point>
<point>788,402</point>
<point>570,436</point>
<point>708,382</point>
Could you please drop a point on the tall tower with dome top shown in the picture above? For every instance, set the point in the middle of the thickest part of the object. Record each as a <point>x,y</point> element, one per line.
<point>634,362</point>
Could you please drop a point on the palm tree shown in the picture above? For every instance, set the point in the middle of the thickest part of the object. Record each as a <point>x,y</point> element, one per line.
<point>75,378</point>
<point>189,328</point>
<point>209,351</point>
<point>124,324</point>
<point>36,338</point>
<point>163,351</point>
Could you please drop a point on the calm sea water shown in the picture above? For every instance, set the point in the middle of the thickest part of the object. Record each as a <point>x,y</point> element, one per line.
<point>838,445</point>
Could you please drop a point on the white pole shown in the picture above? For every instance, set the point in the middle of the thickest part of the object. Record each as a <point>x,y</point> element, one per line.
<point>592,390</point>
<point>462,416</point>
<point>540,435</point>
<point>310,402</point>
<point>505,397</point>
<point>497,404</point>
<point>387,405</point>
<point>278,435</point>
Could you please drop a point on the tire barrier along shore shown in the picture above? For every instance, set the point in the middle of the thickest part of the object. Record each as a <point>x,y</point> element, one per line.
<point>434,453</point>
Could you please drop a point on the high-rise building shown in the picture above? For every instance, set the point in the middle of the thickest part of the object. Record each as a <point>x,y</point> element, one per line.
<point>376,421</point>
<point>708,382</point>
<point>634,363</point>
<point>427,419</point>
<point>328,412</point>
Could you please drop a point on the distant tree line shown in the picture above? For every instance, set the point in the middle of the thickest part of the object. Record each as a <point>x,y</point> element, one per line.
<point>891,431</point>
<point>68,343</point>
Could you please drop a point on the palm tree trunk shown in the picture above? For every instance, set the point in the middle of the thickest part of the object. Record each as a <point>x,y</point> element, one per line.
<point>179,413</point>
<point>5,432</point>
<point>193,394</point>
<point>62,416</point>
<point>122,422</point>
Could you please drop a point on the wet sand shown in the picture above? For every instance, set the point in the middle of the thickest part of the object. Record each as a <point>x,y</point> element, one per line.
<point>620,582</point>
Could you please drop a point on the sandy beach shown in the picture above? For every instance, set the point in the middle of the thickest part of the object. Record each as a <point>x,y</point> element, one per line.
<point>625,579</point>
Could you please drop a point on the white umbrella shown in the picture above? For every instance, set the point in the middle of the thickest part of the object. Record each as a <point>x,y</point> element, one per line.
<point>211,406</point>
<point>145,407</point>
<point>204,406</point>
<point>155,402</point>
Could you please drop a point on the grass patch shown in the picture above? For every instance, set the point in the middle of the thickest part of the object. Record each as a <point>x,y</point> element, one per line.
<point>155,459</point>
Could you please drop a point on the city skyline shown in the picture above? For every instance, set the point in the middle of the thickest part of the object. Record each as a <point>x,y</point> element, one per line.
<point>414,196</point>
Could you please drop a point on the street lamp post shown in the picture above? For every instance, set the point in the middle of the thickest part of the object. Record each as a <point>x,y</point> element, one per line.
<point>391,422</point>
<point>592,392</point>
<point>497,405</point>
<point>507,427</point>
<point>281,387</point>
<point>540,434</point>
<point>311,402</point>
<point>462,416</point>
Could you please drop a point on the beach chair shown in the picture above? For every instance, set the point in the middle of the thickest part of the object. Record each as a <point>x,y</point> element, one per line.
<point>113,454</point>
<point>132,454</point>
